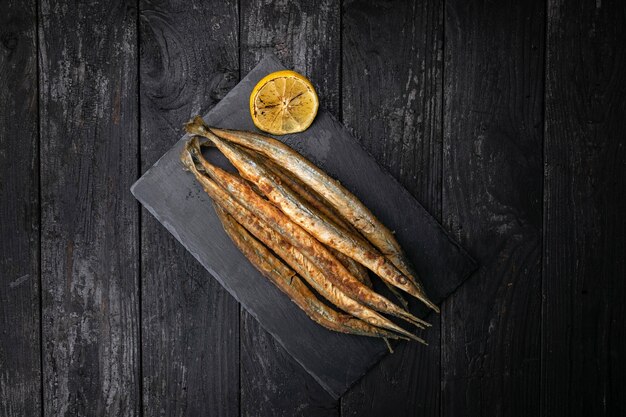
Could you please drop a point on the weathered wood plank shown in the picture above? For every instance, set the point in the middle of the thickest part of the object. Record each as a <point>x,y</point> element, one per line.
<point>20,386</point>
<point>272,383</point>
<point>392,74</point>
<point>190,342</point>
<point>584,336</point>
<point>305,36</point>
<point>89,253</point>
<point>391,99</point>
<point>492,200</point>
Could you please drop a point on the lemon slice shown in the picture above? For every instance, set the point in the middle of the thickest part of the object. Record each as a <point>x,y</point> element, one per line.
<point>283,102</point>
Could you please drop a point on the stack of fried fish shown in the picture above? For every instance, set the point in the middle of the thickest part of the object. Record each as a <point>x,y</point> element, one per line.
<point>306,233</point>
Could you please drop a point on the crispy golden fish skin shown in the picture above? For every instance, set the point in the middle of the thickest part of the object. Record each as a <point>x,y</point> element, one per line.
<point>315,201</point>
<point>287,281</point>
<point>314,276</point>
<point>310,196</point>
<point>353,266</point>
<point>312,202</point>
<point>338,196</point>
<point>283,248</point>
<point>301,239</point>
<point>351,245</point>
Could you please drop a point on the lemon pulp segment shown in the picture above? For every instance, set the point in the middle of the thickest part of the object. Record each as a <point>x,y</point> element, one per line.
<point>283,102</point>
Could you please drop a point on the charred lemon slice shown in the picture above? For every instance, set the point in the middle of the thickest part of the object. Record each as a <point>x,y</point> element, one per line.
<point>283,102</point>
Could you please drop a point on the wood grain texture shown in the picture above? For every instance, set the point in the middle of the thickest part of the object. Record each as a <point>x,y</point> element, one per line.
<point>20,386</point>
<point>392,75</point>
<point>305,36</point>
<point>492,201</point>
<point>190,338</point>
<point>89,253</point>
<point>584,336</point>
<point>391,100</point>
<point>272,383</point>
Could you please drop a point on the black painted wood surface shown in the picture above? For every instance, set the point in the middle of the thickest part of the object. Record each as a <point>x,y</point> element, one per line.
<point>89,224</point>
<point>20,367</point>
<point>335,360</point>
<point>584,262</point>
<point>492,202</point>
<point>489,69</point>
<point>190,342</point>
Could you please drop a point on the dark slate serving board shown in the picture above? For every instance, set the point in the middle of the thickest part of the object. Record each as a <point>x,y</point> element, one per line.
<point>335,360</point>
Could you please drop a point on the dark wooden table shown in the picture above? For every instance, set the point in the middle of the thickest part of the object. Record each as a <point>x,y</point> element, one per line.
<point>507,120</point>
